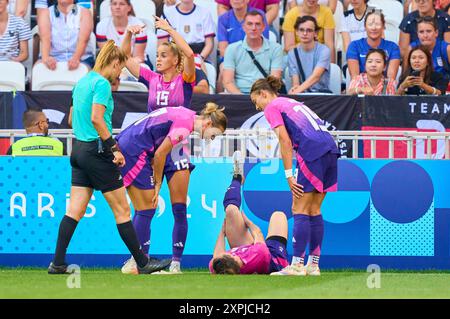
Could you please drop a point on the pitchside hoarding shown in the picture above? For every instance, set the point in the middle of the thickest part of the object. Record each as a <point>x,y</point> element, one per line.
<point>392,213</point>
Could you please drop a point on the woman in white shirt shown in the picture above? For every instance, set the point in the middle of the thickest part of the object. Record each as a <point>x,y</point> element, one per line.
<point>115,27</point>
<point>65,35</point>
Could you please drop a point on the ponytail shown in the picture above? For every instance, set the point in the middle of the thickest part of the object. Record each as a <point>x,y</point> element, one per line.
<point>271,84</point>
<point>108,54</point>
<point>216,114</point>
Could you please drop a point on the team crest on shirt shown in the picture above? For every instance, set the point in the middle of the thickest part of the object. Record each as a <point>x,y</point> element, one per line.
<point>439,61</point>
<point>172,85</point>
<point>187,28</point>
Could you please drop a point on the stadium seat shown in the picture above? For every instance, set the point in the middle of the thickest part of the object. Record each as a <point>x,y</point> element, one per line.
<point>28,63</point>
<point>132,86</point>
<point>338,16</point>
<point>211,73</point>
<point>392,32</point>
<point>335,78</point>
<point>150,49</point>
<point>61,79</point>
<point>144,10</point>
<point>392,10</point>
<point>12,77</point>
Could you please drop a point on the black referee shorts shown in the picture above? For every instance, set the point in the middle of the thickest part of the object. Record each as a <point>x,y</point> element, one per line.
<point>93,169</point>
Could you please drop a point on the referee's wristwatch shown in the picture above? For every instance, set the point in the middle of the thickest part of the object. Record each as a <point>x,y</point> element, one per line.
<point>111,143</point>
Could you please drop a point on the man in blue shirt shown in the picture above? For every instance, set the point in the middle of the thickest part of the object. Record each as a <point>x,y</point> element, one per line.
<point>240,71</point>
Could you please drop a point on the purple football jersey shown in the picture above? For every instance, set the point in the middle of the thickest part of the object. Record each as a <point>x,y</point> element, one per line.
<point>310,138</point>
<point>175,93</point>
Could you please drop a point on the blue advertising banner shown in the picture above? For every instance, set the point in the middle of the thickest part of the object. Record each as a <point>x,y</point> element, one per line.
<point>392,213</point>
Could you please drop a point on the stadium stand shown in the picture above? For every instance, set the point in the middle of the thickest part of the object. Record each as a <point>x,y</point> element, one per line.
<point>12,77</point>
<point>211,73</point>
<point>132,86</point>
<point>61,79</point>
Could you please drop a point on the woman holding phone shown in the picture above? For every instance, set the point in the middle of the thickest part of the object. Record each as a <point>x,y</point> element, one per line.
<point>420,78</point>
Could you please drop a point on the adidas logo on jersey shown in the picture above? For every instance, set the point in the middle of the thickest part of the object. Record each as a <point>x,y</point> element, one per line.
<point>293,240</point>
<point>179,244</point>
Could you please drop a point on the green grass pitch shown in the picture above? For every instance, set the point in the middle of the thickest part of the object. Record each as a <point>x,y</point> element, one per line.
<point>110,283</point>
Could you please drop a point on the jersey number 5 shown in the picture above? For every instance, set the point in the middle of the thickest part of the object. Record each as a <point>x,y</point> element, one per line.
<point>162,98</point>
<point>182,164</point>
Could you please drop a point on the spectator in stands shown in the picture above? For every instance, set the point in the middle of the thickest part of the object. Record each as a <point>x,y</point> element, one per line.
<point>324,18</point>
<point>19,8</point>
<point>427,31</point>
<point>245,58</point>
<point>65,31</point>
<point>270,7</point>
<point>357,50</point>
<point>201,82</point>
<point>115,27</point>
<point>194,23</point>
<point>230,25</point>
<point>309,63</point>
<point>14,36</point>
<point>328,3</point>
<point>419,78</point>
<point>408,26</point>
<point>37,142</point>
<point>352,26</point>
<point>411,5</point>
<point>373,82</point>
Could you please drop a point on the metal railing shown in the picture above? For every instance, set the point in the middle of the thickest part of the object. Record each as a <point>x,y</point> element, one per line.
<point>263,143</point>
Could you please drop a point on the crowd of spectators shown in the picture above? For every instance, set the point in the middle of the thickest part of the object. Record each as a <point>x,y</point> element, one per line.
<point>248,41</point>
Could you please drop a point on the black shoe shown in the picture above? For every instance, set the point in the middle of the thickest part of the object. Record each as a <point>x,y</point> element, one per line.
<point>57,270</point>
<point>154,265</point>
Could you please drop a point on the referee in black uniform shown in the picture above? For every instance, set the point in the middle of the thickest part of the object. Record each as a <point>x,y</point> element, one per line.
<point>95,159</point>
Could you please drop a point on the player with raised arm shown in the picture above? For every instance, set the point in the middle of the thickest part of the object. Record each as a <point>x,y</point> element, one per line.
<point>147,143</point>
<point>171,86</point>
<point>250,252</point>
<point>300,129</point>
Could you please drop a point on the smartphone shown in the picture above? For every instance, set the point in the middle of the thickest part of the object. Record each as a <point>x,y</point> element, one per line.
<point>415,73</point>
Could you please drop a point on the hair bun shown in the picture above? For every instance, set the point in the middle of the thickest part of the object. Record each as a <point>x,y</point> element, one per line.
<point>274,82</point>
<point>211,108</point>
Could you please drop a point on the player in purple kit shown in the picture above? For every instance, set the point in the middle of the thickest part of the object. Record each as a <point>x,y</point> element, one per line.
<point>146,145</point>
<point>250,253</point>
<point>172,86</point>
<point>300,129</point>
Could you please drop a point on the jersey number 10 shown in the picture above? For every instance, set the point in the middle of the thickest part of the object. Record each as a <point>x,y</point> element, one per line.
<point>312,117</point>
